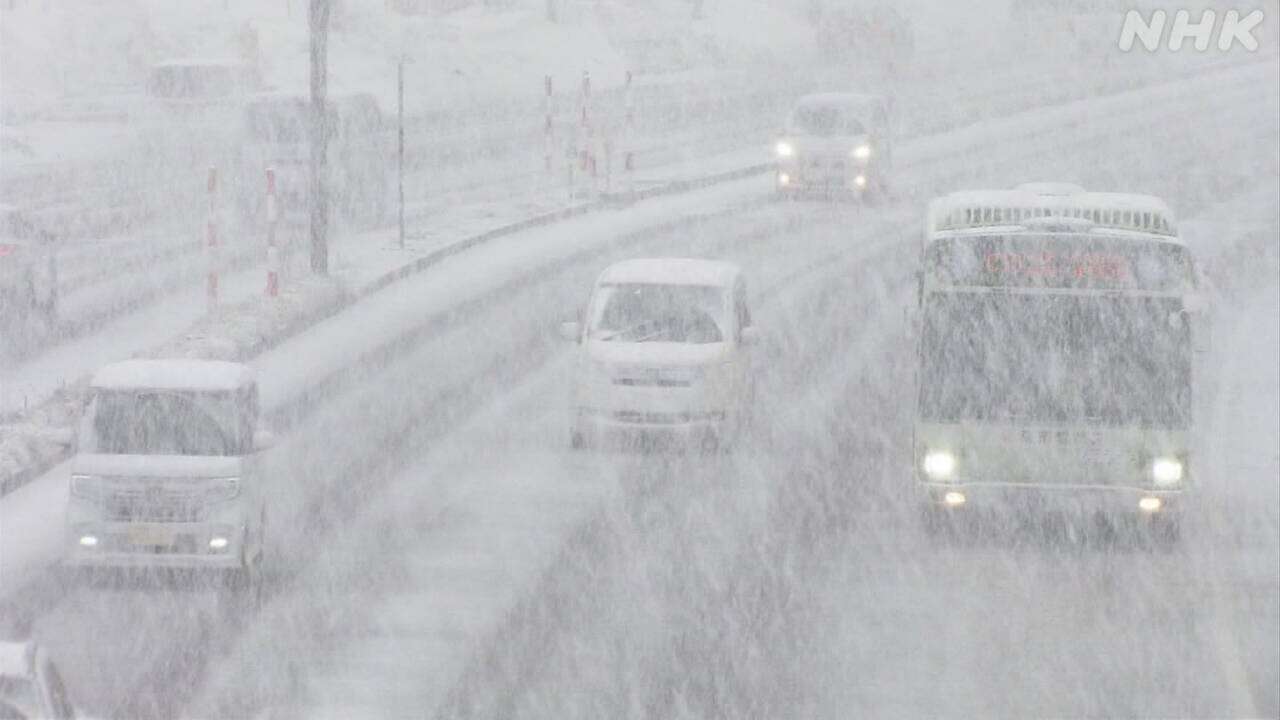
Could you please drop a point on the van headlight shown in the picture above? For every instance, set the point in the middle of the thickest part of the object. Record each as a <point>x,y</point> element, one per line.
<point>939,465</point>
<point>1166,471</point>
<point>221,490</point>
<point>862,152</point>
<point>85,487</point>
<point>784,149</point>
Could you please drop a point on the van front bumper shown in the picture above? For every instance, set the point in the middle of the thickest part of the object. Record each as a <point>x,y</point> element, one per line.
<point>149,544</point>
<point>609,425</point>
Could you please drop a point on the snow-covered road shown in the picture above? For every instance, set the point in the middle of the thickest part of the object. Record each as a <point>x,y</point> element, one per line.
<point>473,495</point>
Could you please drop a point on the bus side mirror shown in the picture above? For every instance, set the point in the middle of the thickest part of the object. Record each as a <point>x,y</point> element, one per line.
<point>919,287</point>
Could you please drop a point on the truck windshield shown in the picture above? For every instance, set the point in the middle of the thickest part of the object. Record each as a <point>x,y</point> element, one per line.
<point>168,423</point>
<point>1044,358</point>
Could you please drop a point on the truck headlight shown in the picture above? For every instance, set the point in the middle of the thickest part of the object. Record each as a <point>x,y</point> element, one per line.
<point>85,487</point>
<point>221,490</point>
<point>1166,471</point>
<point>784,149</point>
<point>862,152</point>
<point>939,465</point>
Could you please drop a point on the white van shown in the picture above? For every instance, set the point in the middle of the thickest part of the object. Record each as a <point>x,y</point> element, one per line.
<point>663,351</point>
<point>167,468</point>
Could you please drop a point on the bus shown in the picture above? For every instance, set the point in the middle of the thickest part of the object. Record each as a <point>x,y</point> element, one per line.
<point>1055,337</point>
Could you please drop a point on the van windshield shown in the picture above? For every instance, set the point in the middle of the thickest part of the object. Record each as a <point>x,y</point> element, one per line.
<point>637,312</point>
<point>825,121</point>
<point>145,422</point>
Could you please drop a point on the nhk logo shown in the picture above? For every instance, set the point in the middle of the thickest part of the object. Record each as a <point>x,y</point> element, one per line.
<point>1151,30</point>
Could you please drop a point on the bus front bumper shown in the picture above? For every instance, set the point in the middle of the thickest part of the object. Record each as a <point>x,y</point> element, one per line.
<point>1035,498</point>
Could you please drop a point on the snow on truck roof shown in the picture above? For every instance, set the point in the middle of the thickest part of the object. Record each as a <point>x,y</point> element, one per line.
<point>670,271</point>
<point>175,374</point>
<point>1038,203</point>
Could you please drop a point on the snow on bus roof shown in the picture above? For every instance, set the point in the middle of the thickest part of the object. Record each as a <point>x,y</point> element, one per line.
<point>670,271</point>
<point>1042,202</point>
<point>173,374</point>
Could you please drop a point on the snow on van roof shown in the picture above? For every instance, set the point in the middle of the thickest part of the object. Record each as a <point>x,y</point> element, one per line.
<point>670,271</point>
<point>173,374</point>
<point>17,659</point>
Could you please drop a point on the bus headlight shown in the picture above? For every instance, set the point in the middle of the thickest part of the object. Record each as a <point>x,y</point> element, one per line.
<point>1166,471</point>
<point>784,149</point>
<point>862,152</point>
<point>939,465</point>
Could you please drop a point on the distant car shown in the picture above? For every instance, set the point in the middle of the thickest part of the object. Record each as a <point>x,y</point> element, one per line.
<point>167,470</point>
<point>835,143</point>
<point>275,131</point>
<point>195,84</point>
<point>30,686</point>
<point>663,351</point>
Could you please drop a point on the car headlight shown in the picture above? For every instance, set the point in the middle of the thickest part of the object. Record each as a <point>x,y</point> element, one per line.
<point>939,465</point>
<point>784,149</point>
<point>221,489</point>
<point>862,152</point>
<point>1166,471</point>
<point>86,487</point>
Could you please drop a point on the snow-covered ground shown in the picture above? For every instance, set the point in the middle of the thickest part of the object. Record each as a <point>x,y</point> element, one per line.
<point>436,549</point>
<point>459,470</point>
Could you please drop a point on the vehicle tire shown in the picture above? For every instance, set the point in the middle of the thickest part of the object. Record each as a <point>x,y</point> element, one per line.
<point>938,524</point>
<point>1164,533</point>
<point>262,540</point>
<point>245,583</point>
<point>710,444</point>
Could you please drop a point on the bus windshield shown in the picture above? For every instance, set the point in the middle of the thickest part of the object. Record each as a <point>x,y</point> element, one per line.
<point>1045,359</point>
<point>1060,261</point>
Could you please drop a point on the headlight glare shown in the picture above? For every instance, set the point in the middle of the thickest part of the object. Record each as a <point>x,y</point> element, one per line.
<point>862,152</point>
<point>1166,471</point>
<point>784,149</point>
<point>939,465</point>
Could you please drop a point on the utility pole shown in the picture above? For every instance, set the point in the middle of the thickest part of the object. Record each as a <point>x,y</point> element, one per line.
<point>400,134</point>
<point>319,26</point>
